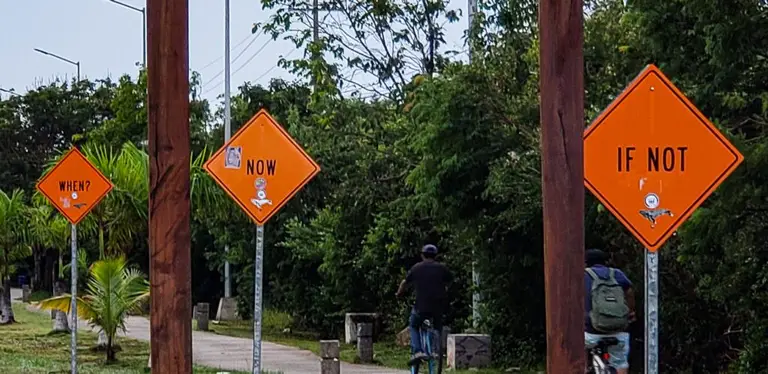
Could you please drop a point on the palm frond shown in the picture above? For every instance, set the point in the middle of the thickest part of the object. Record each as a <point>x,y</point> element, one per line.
<point>64,304</point>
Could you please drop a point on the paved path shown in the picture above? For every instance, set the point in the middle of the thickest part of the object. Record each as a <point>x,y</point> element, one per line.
<point>226,352</point>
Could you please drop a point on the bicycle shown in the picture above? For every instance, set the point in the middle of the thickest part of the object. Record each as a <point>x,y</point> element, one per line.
<point>598,357</point>
<point>427,333</point>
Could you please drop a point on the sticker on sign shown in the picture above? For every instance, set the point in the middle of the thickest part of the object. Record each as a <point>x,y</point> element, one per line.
<point>652,158</point>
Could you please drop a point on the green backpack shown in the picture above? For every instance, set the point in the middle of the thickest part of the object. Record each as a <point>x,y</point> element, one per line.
<point>610,313</point>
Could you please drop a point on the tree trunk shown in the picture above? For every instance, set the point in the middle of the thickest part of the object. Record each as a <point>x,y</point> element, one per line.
<point>36,281</point>
<point>110,350</point>
<point>7,306</point>
<point>101,240</point>
<point>2,304</point>
<point>48,272</point>
<point>61,266</point>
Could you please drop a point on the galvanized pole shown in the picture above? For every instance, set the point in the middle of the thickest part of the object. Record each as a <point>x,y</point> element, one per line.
<point>561,82</point>
<point>73,306</point>
<point>227,129</point>
<point>475,274</point>
<point>144,35</point>
<point>257,275</point>
<point>169,186</point>
<point>651,312</point>
<point>315,21</point>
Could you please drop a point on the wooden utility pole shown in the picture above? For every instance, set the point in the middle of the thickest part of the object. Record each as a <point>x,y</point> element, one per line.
<point>561,60</point>
<point>169,209</point>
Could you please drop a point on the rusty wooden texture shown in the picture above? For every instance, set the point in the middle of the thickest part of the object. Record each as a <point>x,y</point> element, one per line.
<point>562,171</point>
<point>169,206</point>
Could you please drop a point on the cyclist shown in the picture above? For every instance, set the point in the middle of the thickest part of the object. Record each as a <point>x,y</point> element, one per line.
<point>613,319</point>
<point>429,279</point>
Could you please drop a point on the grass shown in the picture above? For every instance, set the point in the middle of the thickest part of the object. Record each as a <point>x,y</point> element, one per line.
<point>276,329</point>
<point>28,347</point>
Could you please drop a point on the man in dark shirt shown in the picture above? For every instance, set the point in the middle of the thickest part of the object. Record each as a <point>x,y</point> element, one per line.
<point>595,260</point>
<point>430,280</point>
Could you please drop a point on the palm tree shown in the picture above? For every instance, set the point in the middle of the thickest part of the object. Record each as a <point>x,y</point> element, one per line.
<point>113,291</point>
<point>13,230</point>
<point>50,230</point>
<point>123,214</point>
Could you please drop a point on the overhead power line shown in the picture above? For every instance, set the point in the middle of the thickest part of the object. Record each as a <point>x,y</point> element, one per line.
<point>233,60</point>
<point>241,66</point>
<point>251,36</point>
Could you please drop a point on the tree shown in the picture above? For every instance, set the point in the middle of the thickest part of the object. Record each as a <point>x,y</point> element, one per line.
<point>386,41</point>
<point>114,291</point>
<point>13,246</point>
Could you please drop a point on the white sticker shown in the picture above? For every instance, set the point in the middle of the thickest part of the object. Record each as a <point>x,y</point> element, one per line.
<point>652,201</point>
<point>233,157</point>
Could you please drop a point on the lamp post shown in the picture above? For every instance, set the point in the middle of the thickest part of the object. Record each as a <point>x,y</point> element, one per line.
<point>143,12</point>
<point>76,63</point>
<point>227,128</point>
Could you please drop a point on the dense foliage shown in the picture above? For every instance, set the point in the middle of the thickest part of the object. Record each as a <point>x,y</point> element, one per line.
<point>451,158</point>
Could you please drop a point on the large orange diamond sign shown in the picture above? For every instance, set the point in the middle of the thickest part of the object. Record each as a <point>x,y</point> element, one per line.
<point>261,167</point>
<point>74,186</point>
<point>652,158</point>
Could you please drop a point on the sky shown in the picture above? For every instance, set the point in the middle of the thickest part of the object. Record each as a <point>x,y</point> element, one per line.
<point>106,39</point>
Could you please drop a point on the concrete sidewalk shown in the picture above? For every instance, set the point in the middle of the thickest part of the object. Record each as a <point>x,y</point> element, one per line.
<point>231,353</point>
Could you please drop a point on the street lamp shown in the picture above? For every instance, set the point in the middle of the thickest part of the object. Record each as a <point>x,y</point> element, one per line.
<point>62,59</point>
<point>143,12</point>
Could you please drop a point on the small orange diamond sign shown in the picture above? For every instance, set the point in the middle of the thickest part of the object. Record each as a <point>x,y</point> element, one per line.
<point>74,186</point>
<point>652,158</point>
<point>261,167</point>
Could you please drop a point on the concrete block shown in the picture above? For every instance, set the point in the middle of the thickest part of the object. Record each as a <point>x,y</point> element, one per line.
<point>467,351</point>
<point>365,342</point>
<point>329,349</point>
<point>329,357</point>
<point>444,340</point>
<point>350,324</point>
<point>330,366</point>
<point>403,338</point>
<point>25,292</point>
<point>227,310</point>
<point>202,315</point>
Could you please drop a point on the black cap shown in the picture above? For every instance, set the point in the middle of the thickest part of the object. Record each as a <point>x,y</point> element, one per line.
<point>429,248</point>
<point>594,256</point>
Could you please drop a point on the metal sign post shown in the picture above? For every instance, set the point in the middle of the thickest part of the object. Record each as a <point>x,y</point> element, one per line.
<point>73,307</point>
<point>651,312</point>
<point>74,186</point>
<point>257,278</point>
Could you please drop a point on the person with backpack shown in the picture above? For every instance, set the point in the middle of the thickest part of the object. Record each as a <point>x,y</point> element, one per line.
<point>609,307</point>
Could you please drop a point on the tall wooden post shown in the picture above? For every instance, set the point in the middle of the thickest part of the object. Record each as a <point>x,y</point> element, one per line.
<point>169,209</point>
<point>562,171</point>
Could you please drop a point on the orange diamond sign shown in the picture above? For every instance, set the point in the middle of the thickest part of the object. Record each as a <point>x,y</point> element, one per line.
<point>652,158</point>
<point>74,186</point>
<point>261,167</point>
